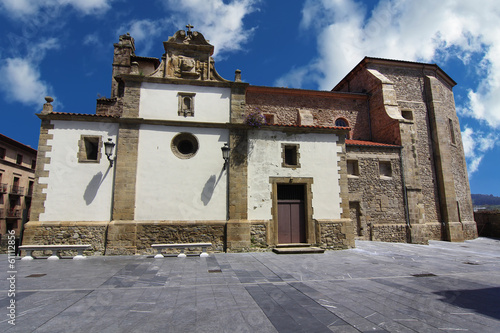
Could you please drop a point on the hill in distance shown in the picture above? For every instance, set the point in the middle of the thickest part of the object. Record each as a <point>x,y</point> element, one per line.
<point>485,200</point>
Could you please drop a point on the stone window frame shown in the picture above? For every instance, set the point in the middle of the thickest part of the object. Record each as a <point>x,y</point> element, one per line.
<point>355,174</point>
<point>82,148</point>
<point>182,110</point>
<point>178,140</point>
<point>407,115</point>
<point>296,151</point>
<point>307,182</point>
<point>386,163</point>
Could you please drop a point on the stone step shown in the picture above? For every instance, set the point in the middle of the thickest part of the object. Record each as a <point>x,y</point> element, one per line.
<point>297,250</point>
<point>294,245</point>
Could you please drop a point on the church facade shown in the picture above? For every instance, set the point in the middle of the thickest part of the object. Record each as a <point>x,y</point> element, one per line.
<point>180,154</point>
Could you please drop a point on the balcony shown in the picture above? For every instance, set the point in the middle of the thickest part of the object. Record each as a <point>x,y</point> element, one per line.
<point>29,192</point>
<point>14,213</point>
<point>16,190</point>
<point>3,188</point>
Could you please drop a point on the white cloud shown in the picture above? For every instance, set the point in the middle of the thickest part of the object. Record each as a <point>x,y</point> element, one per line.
<point>476,145</point>
<point>24,9</point>
<point>21,82</point>
<point>426,30</point>
<point>92,39</point>
<point>144,33</point>
<point>220,21</point>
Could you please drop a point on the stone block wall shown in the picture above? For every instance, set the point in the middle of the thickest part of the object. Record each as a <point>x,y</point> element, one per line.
<point>172,232</point>
<point>325,107</point>
<point>376,200</point>
<point>396,233</point>
<point>335,234</point>
<point>54,233</point>
<point>488,223</point>
<point>258,236</point>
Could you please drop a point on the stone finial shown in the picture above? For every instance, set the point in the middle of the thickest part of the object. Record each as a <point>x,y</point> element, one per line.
<point>47,107</point>
<point>237,75</point>
<point>135,68</point>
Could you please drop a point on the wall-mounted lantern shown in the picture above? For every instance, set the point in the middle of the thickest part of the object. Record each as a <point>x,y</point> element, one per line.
<point>108,150</point>
<point>225,154</point>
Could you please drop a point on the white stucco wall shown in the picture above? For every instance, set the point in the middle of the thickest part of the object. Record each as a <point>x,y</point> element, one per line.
<point>170,188</point>
<point>77,191</point>
<point>160,101</point>
<point>318,159</point>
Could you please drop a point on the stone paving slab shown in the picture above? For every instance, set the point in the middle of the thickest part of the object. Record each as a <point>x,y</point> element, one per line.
<point>376,287</point>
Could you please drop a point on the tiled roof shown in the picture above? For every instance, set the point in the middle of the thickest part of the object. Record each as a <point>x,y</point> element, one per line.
<point>368,143</point>
<point>83,114</point>
<point>314,126</point>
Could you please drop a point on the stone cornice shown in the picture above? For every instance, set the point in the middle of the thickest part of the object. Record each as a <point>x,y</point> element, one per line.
<point>394,63</point>
<point>175,123</point>
<point>205,83</point>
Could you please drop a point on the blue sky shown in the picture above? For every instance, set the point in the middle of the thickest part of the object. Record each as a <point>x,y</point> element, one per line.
<point>64,48</point>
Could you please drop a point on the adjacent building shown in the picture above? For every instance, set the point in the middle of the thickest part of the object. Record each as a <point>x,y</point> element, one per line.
<point>379,157</point>
<point>17,178</point>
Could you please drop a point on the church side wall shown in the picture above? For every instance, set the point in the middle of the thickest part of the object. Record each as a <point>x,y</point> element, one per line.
<point>173,188</point>
<point>409,87</point>
<point>318,160</point>
<point>77,191</point>
<point>376,201</point>
<point>161,101</point>
<point>325,110</point>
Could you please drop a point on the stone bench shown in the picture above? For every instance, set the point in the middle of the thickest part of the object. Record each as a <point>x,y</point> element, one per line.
<point>55,250</point>
<point>182,247</point>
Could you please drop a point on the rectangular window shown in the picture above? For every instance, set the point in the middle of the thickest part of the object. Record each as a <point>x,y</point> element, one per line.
<point>385,169</point>
<point>352,168</point>
<point>33,164</point>
<point>290,155</point>
<point>452,131</point>
<point>89,149</point>
<point>2,153</point>
<point>19,159</point>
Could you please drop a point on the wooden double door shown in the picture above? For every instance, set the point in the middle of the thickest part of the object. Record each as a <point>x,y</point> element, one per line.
<point>291,214</point>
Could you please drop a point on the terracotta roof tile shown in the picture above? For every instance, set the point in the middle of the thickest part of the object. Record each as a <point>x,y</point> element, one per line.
<point>84,114</point>
<point>368,143</point>
<point>313,126</point>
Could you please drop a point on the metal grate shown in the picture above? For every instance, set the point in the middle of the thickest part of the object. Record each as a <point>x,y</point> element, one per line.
<point>424,275</point>
<point>36,275</point>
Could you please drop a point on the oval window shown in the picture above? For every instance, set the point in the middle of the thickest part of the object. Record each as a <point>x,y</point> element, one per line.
<point>184,145</point>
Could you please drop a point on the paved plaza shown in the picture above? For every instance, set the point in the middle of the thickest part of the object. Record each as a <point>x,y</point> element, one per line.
<point>377,287</point>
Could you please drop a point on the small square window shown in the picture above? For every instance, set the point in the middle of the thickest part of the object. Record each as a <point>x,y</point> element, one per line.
<point>385,169</point>
<point>269,119</point>
<point>407,114</point>
<point>290,154</point>
<point>352,168</point>
<point>89,149</point>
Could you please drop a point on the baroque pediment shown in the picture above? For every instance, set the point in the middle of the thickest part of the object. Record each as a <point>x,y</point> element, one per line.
<point>188,55</point>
